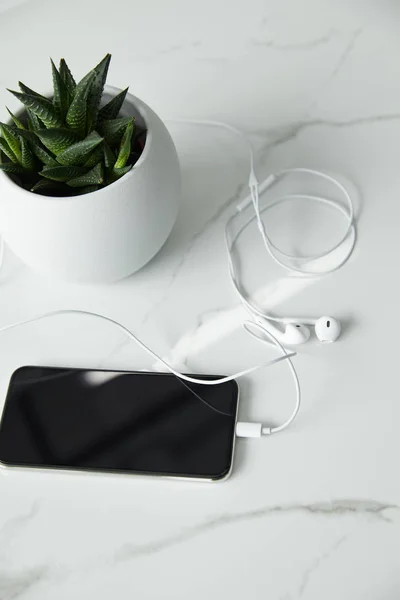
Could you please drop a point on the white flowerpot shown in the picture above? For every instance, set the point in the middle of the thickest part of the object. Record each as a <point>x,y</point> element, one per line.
<point>105,235</point>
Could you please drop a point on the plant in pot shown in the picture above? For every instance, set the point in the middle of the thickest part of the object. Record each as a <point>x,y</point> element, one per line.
<point>89,178</point>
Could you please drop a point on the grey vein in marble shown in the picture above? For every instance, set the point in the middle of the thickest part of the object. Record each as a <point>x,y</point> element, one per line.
<point>10,5</point>
<point>346,53</point>
<point>336,508</point>
<point>15,585</point>
<point>118,347</point>
<point>189,342</point>
<point>176,48</point>
<point>287,133</point>
<point>179,47</point>
<point>308,573</point>
<point>306,45</point>
<point>348,49</point>
<point>12,526</point>
<point>185,255</point>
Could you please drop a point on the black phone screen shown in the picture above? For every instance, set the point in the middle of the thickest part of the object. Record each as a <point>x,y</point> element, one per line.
<point>150,423</point>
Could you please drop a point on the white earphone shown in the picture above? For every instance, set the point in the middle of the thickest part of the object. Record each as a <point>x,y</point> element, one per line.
<point>296,330</point>
<point>327,329</point>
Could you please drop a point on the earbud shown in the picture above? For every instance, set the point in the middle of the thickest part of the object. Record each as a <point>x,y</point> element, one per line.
<point>293,334</point>
<point>327,329</point>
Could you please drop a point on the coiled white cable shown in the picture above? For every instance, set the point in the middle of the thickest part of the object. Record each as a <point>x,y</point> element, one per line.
<point>254,198</point>
<point>270,246</point>
<point>231,241</point>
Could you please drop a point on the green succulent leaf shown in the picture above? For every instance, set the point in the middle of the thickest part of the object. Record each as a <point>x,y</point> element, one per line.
<point>93,177</point>
<point>13,169</point>
<point>37,148</point>
<point>78,153</point>
<point>112,108</point>
<point>61,95</point>
<point>77,112</point>
<point>28,159</point>
<point>84,190</point>
<point>12,138</point>
<point>27,90</point>
<point>57,140</point>
<point>109,156</point>
<point>113,130</point>
<point>41,107</point>
<point>94,157</point>
<point>46,187</point>
<point>43,184</point>
<point>122,171</point>
<point>67,77</point>
<point>96,91</point>
<point>43,154</point>
<point>34,123</point>
<point>17,122</point>
<point>125,147</point>
<point>5,148</point>
<point>62,173</point>
<point>30,136</point>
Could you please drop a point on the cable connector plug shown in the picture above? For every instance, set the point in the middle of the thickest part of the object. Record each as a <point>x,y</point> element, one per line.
<point>251,430</point>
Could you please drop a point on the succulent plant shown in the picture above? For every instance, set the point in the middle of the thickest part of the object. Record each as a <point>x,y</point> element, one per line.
<point>69,144</point>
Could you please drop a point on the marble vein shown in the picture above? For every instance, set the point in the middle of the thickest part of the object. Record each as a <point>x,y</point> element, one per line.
<point>16,585</point>
<point>179,47</point>
<point>193,241</point>
<point>306,45</point>
<point>118,347</point>
<point>337,508</point>
<point>286,133</point>
<point>210,326</point>
<point>12,526</point>
<point>346,53</point>
<point>13,584</point>
<point>8,6</point>
<point>308,573</point>
<point>173,49</point>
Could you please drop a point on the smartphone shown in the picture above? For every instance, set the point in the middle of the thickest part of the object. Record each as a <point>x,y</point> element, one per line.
<point>121,422</point>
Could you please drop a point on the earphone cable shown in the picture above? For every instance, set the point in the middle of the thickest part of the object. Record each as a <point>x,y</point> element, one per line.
<point>270,247</point>
<point>254,199</point>
<point>230,243</point>
<point>146,348</point>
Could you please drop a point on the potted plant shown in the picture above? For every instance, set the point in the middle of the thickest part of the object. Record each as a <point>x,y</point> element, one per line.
<point>89,179</point>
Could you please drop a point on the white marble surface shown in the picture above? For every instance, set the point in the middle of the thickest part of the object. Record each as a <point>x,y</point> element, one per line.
<point>311,513</point>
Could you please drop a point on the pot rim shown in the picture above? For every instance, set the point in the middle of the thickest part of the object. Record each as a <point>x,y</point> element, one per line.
<point>140,108</point>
